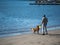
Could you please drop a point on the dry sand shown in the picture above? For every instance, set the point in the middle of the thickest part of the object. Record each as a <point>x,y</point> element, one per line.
<point>53,38</point>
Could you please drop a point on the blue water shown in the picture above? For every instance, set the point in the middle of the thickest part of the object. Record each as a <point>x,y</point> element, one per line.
<point>20,17</point>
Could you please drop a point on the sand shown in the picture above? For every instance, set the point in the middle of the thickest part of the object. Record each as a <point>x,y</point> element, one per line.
<point>53,38</point>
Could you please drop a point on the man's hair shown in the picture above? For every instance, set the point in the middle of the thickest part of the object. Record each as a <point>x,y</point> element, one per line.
<point>44,16</point>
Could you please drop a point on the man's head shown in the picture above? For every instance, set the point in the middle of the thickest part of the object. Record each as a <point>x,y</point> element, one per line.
<point>44,15</point>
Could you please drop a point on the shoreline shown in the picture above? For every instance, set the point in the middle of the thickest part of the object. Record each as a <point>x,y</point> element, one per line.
<point>24,33</point>
<point>53,38</point>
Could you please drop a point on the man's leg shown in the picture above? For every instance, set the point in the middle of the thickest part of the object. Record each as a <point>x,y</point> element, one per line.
<point>46,30</point>
<point>43,29</point>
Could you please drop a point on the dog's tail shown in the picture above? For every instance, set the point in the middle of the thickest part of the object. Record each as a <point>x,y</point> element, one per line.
<point>32,29</point>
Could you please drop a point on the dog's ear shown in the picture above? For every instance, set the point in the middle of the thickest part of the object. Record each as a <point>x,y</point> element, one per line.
<point>37,25</point>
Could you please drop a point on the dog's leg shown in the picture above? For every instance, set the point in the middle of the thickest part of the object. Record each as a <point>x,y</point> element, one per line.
<point>34,31</point>
<point>37,31</point>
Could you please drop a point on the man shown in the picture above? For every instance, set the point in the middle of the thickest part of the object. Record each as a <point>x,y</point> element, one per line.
<point>44,25</point>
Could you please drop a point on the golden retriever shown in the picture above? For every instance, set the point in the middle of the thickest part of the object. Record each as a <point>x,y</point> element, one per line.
<point>36,29</point>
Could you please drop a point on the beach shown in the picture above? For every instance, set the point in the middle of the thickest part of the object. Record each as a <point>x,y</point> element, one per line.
<point>17,17</point>
<point>53,38</point>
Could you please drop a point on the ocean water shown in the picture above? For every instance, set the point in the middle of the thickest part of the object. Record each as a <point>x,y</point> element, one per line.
<point>18,17</point>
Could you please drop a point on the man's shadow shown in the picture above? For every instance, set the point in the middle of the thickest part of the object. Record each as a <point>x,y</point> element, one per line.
<point>49,34</point>
<point>56,35</point>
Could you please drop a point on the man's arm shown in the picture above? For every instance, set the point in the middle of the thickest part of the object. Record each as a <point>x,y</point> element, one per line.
<point>47,19</point>
<point>42,20</point>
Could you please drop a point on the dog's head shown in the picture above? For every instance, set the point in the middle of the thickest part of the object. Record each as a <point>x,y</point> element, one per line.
<point>38,26</point>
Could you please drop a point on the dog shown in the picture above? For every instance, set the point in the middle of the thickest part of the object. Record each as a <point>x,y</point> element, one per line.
<point>36,29</point>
